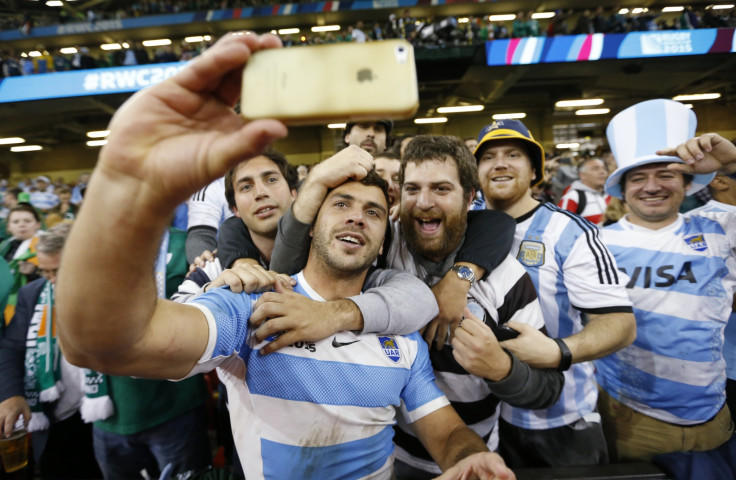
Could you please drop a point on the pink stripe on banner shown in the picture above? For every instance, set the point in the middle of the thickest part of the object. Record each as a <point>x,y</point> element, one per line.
<point>584,53</point>
<point>513,44</point>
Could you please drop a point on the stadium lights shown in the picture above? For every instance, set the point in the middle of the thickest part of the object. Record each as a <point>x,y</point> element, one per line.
<point>508,116</point>
<point>567,145</point>
<point>54,3</point>
<point>722,7</point>
<point>288,31</point>
<point>502,18</point>
<point>696,96</point>
<point>326,28</point>
<point>593,111</point>
<point>11,140</point>
<point>198,38</point>
<point>637,11</point>
<point>96,143</point>
<point>337,125</point>
<point>586,102</point>
<point>156,43</point>
<point>538,15</point>
<point>623,11</point>
<point>68,50</point>
<point>672,9</point>
<point>460,109</point>
<point>420,121</point>
<point>26,148</point>
<point>688,105</point>
<point>98,133</point>
<point>111,46</point>
<point>463,20</point>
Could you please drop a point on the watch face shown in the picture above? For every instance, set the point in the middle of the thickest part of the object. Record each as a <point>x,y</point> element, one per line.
<point>464,272</point>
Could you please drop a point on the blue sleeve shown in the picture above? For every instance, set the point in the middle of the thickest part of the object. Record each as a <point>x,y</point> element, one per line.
<point>421,387</point>
<point>230,314</point>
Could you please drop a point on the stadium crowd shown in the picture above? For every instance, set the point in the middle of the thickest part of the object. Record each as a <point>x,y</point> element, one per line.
<point>421,32</point>
<point>409,306</point>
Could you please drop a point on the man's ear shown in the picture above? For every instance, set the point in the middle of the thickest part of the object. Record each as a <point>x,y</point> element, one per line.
<point>235,211</point>
<point>719,184</point>
<point>311,232</point>
<point>346,139</point>
<point>471,197</point>
<point>293,193</point>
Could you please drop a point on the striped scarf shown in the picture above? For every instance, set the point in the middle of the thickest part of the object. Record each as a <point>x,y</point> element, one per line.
<point>43,372</point>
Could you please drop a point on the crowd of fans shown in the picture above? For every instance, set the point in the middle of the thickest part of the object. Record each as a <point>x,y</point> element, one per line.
<point>422,32</point>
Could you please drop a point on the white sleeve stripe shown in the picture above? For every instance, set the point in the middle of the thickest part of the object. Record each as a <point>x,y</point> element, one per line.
<point>212,340</point>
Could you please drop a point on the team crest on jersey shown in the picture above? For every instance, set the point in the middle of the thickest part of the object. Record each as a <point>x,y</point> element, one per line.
<point>390,348</point>
<point>531,253</point>
<point>696,242</point>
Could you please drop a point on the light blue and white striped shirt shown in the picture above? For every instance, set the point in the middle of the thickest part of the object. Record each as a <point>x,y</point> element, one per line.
<point>729,334</point>
<point>322,410</point>
<point>681,281</point>
<point>573,272</point>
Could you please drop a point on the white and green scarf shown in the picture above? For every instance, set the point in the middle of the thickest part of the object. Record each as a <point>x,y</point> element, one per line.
<point>43,372</point>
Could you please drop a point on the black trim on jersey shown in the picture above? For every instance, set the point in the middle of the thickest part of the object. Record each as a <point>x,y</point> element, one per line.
<point>519,296</point>
<point>202,227</point>
<point>199,195</point>
<point>600,252</point>
<point>528,215</point>
<point>604,310</point>
<point>414,447</point>
<point>199,277</point>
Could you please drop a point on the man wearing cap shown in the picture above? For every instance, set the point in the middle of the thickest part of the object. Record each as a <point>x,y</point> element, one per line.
<point>584,303</point>
<point>666,391</point>
<point>371,136</point>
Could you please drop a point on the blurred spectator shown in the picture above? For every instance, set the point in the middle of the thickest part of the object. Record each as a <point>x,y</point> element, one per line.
<point>11,65</point>
<point>82,60</point>
<point>136,55</point>
<point>165,54</point>
<point>358,33</point>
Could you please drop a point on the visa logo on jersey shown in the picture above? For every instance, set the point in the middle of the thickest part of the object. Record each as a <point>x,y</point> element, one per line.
<point>390,348</point>
<point>696,242</point>
<point>663,276</point>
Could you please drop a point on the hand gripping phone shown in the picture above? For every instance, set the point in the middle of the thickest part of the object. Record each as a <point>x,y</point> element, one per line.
<point>331,83</point>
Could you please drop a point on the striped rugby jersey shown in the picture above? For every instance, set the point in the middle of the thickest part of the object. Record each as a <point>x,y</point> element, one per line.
<point>681,281</point>
<point>729,334</point>
<point>321,410</point>
<point>505,294</point>
<point>208,206</point>
<point>573,272</point>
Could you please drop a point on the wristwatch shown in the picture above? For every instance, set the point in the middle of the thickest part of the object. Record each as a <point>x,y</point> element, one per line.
<point>465,273</point>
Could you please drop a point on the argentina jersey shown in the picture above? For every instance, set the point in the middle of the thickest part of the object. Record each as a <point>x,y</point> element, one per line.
<point>573,272</point>
<point>322,410</point>
<point>681,281</point>
<point>729,334</point>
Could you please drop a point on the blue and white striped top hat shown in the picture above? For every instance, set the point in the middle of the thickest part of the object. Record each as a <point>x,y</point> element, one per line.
<point>635,135</point>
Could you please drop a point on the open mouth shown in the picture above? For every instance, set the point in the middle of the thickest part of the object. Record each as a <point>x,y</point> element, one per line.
<point>502,179</point>
<point>429,226</point>
<point>351,239</point>
<point>265,211</point>
<point>653,199</point>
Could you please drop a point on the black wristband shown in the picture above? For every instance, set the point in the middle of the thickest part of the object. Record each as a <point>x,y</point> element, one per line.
<point>566,359</point>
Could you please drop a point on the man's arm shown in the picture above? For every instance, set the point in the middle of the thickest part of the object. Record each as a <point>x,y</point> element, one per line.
<point>380,309</point>
<point>165,143</point>
<point>457,449</point>
<point>12,360</point>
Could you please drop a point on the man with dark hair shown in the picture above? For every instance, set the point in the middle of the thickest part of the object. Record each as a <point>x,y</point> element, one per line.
<point>326,409</point>
<point>388,165</point>
<point>373,137</point>
<point>667,391</point>
<point>439,177</point>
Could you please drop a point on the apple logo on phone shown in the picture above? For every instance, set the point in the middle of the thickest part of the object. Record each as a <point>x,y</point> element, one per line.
<point>365,75</point>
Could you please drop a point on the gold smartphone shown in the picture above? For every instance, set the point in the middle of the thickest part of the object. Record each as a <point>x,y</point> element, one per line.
<point>331,83</point>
